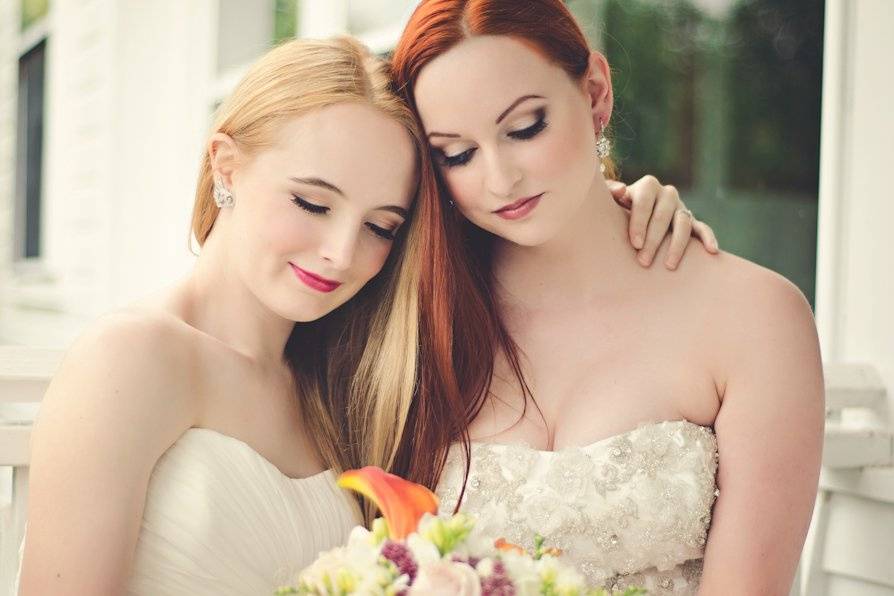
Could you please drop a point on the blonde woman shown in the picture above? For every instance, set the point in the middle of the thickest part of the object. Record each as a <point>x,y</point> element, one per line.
<point>170,455</point>
<point>186,445</point>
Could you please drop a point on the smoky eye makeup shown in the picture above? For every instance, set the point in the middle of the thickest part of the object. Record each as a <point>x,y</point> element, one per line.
<point>456,159</point>
<point>522,134</point>
<point>382,232</point>
<point>532,130</point>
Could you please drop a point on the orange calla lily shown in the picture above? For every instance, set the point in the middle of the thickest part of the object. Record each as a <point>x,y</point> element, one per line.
<point>501,544</point>
<point>402,503</point>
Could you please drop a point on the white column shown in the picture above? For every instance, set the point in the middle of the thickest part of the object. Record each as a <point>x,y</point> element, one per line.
<point>322,18</point>
<point>855,259</point>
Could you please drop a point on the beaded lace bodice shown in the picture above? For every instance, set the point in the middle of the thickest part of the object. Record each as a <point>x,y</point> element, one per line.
<point>630,510</point>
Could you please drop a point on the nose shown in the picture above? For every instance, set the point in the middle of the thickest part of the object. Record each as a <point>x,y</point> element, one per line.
<point>502,174</point>
<point>339,245</point>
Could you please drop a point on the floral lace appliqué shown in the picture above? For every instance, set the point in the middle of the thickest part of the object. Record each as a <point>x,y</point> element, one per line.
<point>630,510</point>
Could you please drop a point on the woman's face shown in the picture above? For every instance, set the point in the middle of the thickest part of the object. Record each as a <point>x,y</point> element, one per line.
<point>513,136</point>
<point>315,215</point>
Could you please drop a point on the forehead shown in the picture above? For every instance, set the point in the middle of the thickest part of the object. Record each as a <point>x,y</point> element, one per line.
<point>482,74</point>
<point>364,152</point>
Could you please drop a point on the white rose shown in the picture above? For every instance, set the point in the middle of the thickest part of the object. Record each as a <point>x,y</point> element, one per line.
<point>445,578</point>
<point>566,578</point>
<point>424,552</point>
<point>522,569</point>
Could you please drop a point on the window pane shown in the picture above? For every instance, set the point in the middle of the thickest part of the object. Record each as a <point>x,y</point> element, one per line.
<point>30,152</point>
<point>722,99</point>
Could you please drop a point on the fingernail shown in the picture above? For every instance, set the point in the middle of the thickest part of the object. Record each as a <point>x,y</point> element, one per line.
<point>638,241</point>
<point>645,260</point>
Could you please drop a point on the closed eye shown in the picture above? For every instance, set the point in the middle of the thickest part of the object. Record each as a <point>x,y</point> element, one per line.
<point>308,206</point>
<point>531,131</point>
<point>382,232</point>
<point>452,161</point>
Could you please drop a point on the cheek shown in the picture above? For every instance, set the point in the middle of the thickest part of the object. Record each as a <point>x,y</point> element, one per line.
<point>371,258</point>
<point>465,186</point>
<point>284,232</point>
<point>564,152</point>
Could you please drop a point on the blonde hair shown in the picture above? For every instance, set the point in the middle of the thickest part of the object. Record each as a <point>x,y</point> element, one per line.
<point>355,368</point>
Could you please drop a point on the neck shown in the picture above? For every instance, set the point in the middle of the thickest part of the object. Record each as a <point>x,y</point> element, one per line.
<point>220,304</point>
<point>588,259</point>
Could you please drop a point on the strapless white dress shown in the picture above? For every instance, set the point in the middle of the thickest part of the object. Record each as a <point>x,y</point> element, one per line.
<point>221,520</point>
<point>630,510</point>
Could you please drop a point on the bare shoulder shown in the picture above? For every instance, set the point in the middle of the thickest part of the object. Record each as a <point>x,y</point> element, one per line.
<point>751,317</point>
<point>128,366</point>
<point>752,298</point>
<point>118,401</point>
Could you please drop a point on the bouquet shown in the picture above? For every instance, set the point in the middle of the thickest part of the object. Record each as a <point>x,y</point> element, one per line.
<point>410,551</point>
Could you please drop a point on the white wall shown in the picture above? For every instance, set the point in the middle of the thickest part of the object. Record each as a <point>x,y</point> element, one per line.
<point>128,103</point>
<point>164,69</point>
<point>9,28</point>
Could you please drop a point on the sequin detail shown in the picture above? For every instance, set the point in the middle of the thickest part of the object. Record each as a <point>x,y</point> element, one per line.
<point>630,510</point>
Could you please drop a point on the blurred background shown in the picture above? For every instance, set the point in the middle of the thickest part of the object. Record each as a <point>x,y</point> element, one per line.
<point>106,104</point>
<point>772,117</point>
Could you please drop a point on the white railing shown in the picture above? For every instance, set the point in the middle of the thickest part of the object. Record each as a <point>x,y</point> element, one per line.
<point>847,547</point>
<point>851,546</point>
<point>24,376</point>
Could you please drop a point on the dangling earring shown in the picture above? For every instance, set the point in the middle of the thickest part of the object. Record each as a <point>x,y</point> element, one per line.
<point>222,196</point>
<point>603,146</point>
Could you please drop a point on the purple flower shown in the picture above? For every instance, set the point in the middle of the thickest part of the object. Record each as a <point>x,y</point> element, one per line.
<point>497,583</point>
<point>402,558</point>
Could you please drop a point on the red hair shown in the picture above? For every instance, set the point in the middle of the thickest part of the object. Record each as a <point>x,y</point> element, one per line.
<point>461,326</point>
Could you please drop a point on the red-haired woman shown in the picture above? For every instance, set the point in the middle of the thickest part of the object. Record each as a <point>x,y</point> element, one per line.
<point>549,402</point>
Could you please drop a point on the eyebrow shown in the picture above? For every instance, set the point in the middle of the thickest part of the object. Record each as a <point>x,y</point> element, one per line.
<point>500,118</point>
<point>515,104</point>
<point>324,184</point>
<point>318,182</point>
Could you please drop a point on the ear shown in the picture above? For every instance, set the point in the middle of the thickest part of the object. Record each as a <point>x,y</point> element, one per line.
<point>224,156</point>
<point>598,87</point>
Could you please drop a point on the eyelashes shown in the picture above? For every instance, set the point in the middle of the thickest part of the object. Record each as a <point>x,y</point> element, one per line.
<point>381,232</point>
<point>308,206</point>
<point>531,131</point>
<point>524,134</point>
<point>315,209</point>
<point>451,161</point>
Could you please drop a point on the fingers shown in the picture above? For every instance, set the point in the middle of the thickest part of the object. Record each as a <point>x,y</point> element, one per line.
<point>703,232</point>
<point>683,223</point>
<point>666,205</point>
<point>644,194</point>
<point>619,193</point>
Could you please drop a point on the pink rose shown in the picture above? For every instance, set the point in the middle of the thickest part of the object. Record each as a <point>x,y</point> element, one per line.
<point>445,578</point>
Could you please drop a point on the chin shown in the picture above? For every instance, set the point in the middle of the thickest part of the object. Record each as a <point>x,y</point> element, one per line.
<point>532,235</point>
<point>308,315</point>
<point>300,309</point>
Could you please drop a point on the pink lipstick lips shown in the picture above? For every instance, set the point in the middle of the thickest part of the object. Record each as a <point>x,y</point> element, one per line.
<point>519,208</point>
<point>313,280</point>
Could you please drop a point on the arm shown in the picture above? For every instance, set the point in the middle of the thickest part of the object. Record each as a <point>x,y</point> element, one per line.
<point>770,434</point>
<point>107,417</point>
<point>657,212</point>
